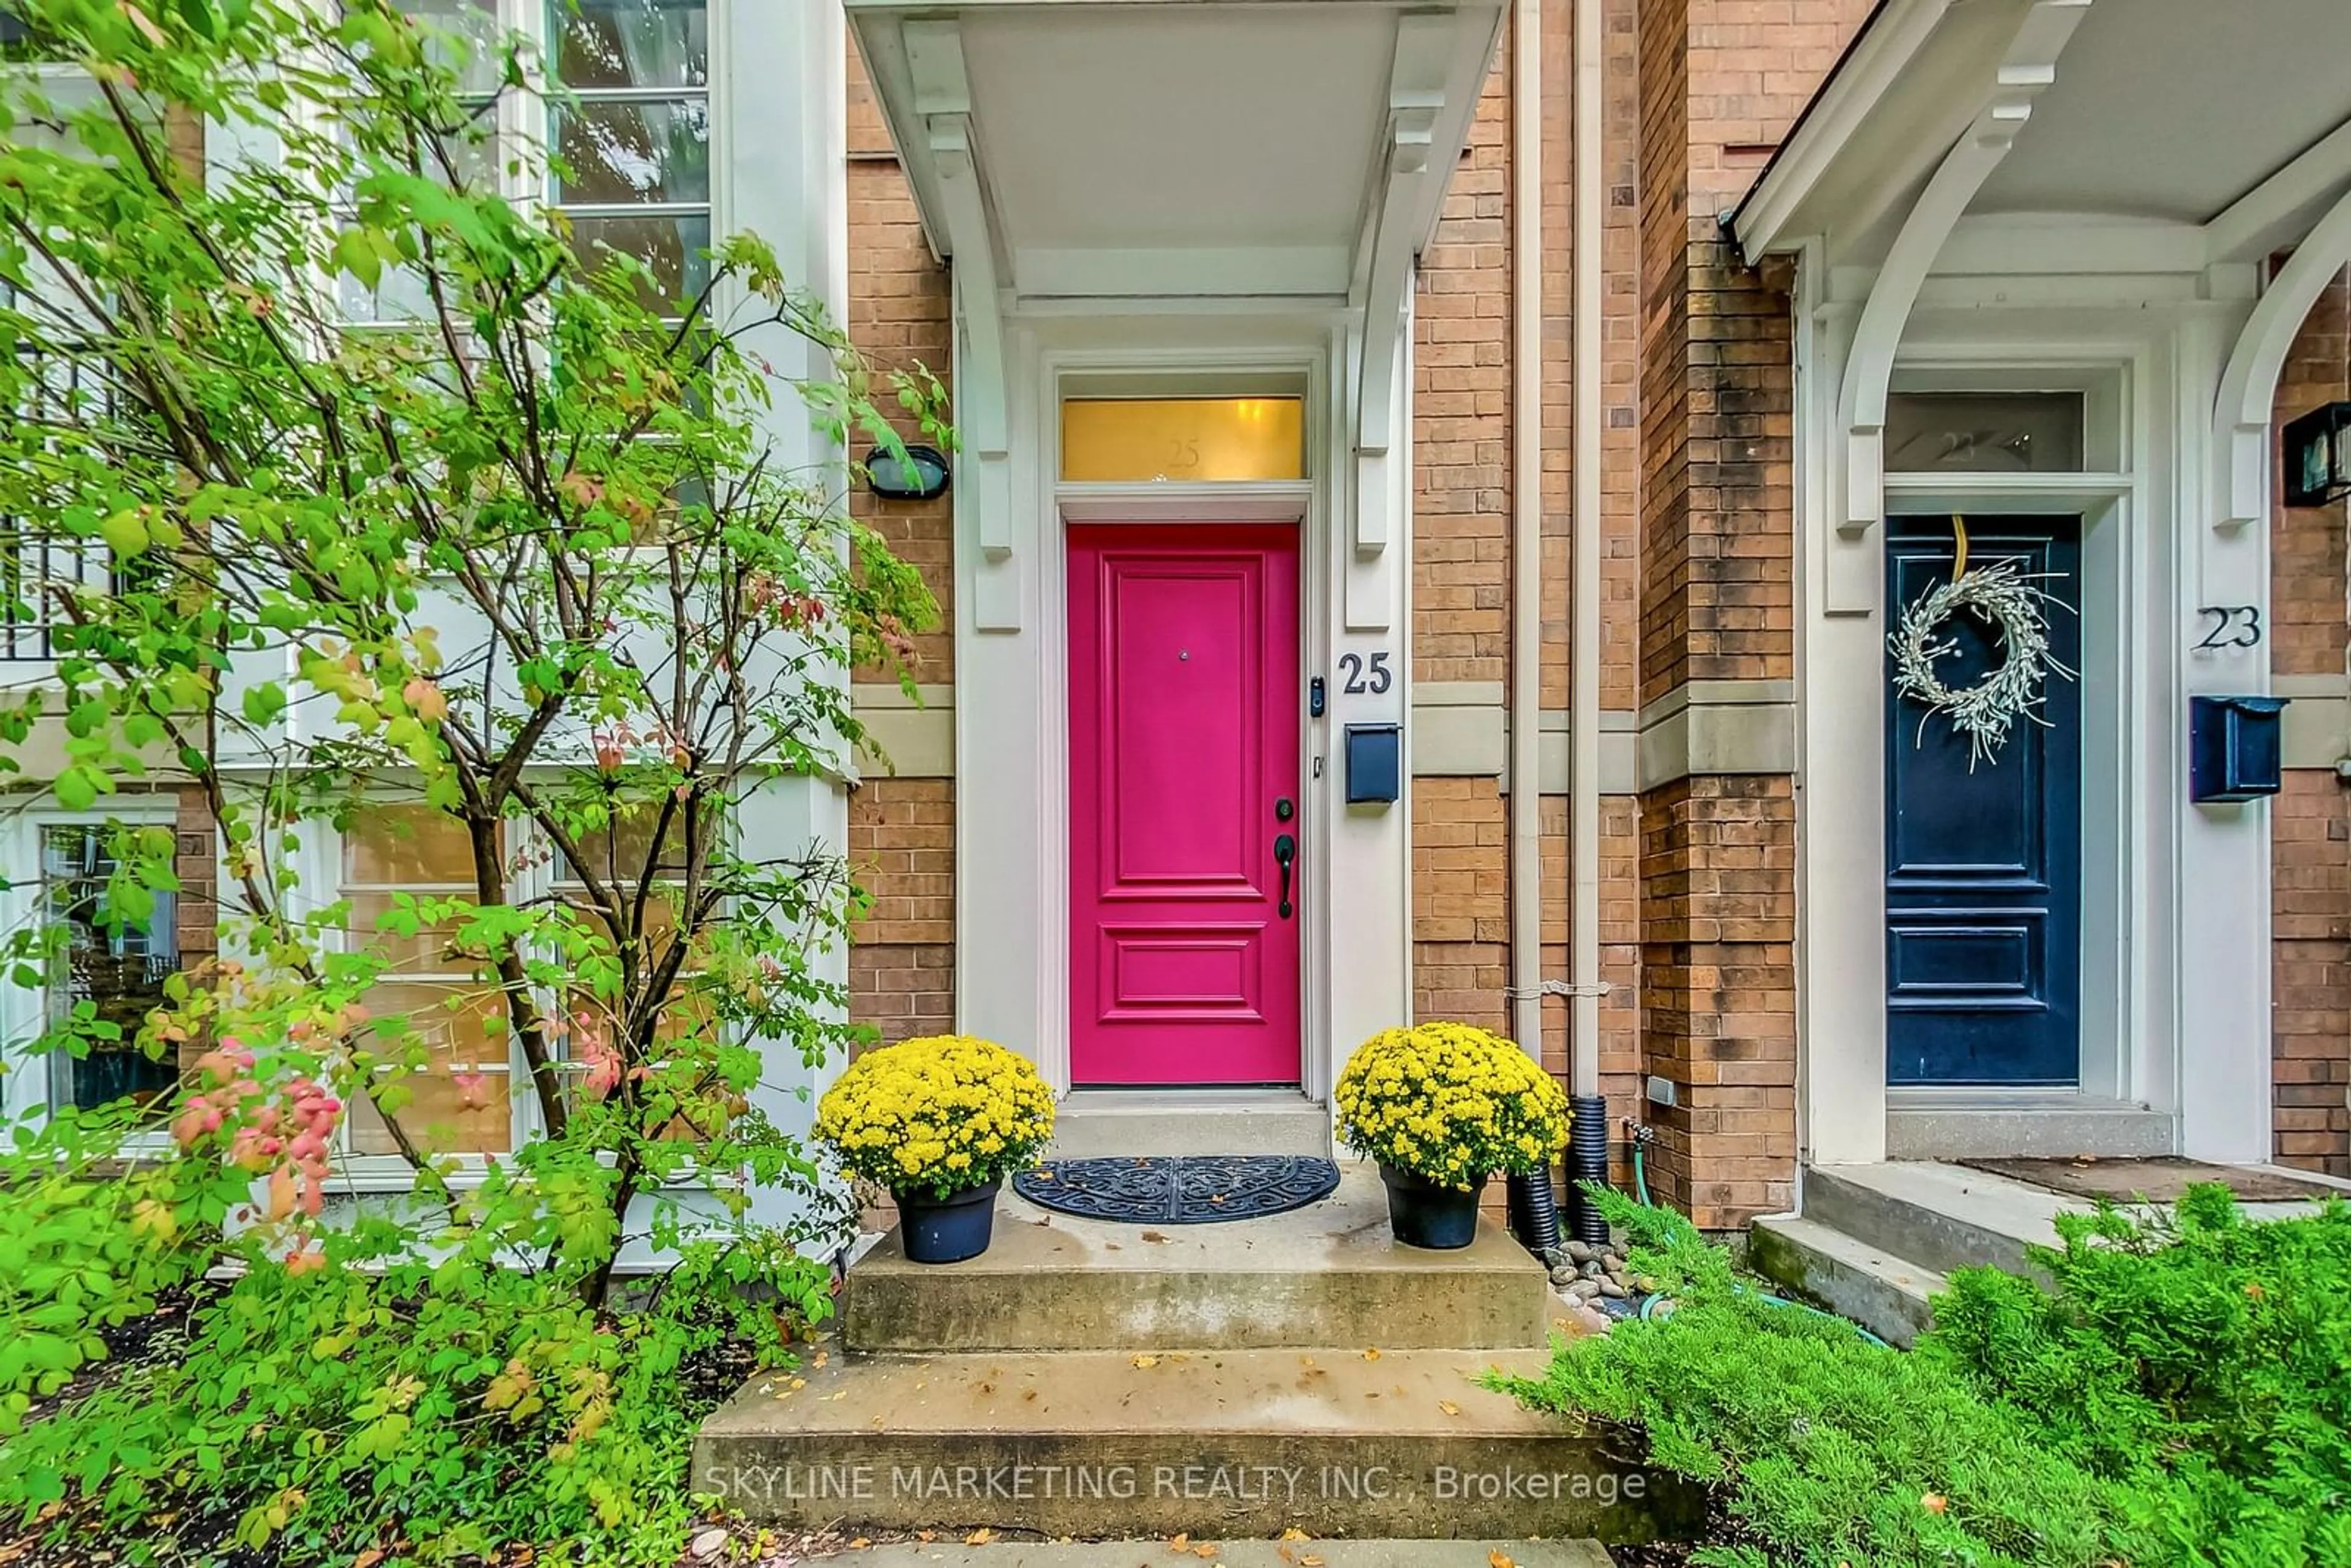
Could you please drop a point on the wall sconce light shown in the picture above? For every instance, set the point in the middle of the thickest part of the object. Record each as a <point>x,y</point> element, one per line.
<point>920,476</point>
<point>2318,456</point>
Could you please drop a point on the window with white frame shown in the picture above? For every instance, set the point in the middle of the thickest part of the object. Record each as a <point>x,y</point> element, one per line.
<point>466,35</point>
<point>40,565</point>
<point>462,1100</point>
<point>629,125</point>
<point>105,966</point>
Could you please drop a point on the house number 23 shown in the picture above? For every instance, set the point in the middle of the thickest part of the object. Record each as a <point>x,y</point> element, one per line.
<point>2230,626</point>
<point>1358,677</point>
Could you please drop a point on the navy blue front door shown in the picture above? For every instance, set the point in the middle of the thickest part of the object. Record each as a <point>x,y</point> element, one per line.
<point>1983,865</point>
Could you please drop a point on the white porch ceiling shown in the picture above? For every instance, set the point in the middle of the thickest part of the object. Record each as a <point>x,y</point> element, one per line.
<point>1183,148</point>
<point>2176,109</point>
<point>2178,115</point>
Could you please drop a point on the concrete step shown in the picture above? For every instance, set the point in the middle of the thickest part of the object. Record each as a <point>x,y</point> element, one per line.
<point>1887,1295</point>
<point>1154,1554</point>
<point>1330,1273</point>
<point>1104,1124</point>
<point>1943,1218</point>
<point>1215,1445</point>
<point>1972,1125</point>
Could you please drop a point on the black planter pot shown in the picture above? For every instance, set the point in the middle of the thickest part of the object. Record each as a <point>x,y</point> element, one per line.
<point>1423,1214</point>
<point>951,1229</point>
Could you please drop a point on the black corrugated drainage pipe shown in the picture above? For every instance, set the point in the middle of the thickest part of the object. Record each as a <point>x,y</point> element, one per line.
<point>1534,1213</point>
<point>1587,1161</point>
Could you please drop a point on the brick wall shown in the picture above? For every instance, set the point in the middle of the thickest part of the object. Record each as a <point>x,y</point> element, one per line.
<point>901,953</point>
<point>1461,427</point>
<point>1718,993</point>
<point>901,315</point>
<point>1720,82</point>
<point>1460,590</point>
<point>902,831</point>
<point>2310,823</point>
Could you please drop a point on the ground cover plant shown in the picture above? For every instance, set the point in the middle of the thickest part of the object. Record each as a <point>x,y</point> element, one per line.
<point>359,500</point>
<point>2179,1393</point>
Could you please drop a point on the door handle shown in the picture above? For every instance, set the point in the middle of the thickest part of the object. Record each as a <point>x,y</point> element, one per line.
<point>1285,854</point>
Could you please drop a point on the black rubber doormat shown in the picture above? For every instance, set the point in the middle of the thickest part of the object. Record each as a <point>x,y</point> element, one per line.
<point>1179,1189</point>
<point>2161,1180</point>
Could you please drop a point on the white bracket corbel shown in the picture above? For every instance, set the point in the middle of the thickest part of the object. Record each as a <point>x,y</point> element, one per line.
<point>2243,414</point>
<point>2028,69</point>
<point>1416,102</point>
<point>942,98</point>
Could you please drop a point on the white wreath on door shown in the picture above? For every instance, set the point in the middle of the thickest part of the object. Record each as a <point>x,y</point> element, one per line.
<point>2012,605</point>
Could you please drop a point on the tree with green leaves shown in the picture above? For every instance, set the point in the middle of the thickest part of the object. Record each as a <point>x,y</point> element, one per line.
<point>360,501</point>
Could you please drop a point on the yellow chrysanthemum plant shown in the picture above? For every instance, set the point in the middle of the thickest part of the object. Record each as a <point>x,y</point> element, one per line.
<point>1451,1103</point>
<point>937,1115</point>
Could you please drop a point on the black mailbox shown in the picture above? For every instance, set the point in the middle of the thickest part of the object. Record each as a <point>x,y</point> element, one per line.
<point>2234,747</point>
<point>1374,763</point>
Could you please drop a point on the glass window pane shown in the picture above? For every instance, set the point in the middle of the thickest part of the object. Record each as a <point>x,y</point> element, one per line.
<point>458,1103</point>
<point>407,846</point>
<point>631,43</point>
<point>675,245</point>
<point>628,151</point>
<point>1984,432</point>
<point>462,34</point>
<point>1183,438</point>
<point>425,952</point>
<point>119,968</point>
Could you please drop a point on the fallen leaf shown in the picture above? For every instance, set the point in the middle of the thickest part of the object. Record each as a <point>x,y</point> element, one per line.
<point>859,1543</point>
<point>368,1559</point>
<point>1205,1551</point>
<point>1310,1561</point>
<point>1371,1353</point>
<point>927,1535</point>
<point>1182,1542</point>
<point>1294,1533</point>
<point>1306,1361</point>
<point>1146,1361</point>
<point>1449,1407</point>
<point>1285,1553</point>
<point>980,1537</point>
<point>1499,1559</point>
<point>1933,1502</point>
<point>1154,1236</point>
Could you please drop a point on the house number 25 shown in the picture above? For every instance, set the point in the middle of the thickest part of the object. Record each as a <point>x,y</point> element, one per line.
<point>1358,677</point>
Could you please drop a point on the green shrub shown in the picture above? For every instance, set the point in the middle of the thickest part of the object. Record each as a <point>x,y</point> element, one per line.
<point>2203,1355</point>
<point>2178,1396</point>
<point>421,1413</point>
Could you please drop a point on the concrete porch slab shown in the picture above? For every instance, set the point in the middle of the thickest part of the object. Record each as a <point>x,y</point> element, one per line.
<point>1245,1443</point>
<point>1330,1273</point>
<point>1245,1554</point>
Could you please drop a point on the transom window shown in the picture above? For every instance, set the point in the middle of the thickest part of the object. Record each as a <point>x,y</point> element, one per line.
<point>1113,439</point>
<point>1985,433</point>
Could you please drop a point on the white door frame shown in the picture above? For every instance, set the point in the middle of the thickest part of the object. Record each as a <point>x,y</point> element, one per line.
<point>1012,807</point>
<point>1993,335</point>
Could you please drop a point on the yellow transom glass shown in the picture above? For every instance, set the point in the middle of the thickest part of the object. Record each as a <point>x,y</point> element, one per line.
<point>1183,438</point>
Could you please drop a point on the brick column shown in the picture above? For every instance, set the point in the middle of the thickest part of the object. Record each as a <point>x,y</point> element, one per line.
<point>2310,823</point>
<point>1720,80</point>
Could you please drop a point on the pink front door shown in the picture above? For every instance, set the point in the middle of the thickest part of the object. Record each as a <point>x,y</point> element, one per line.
<point>1183,804</point>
